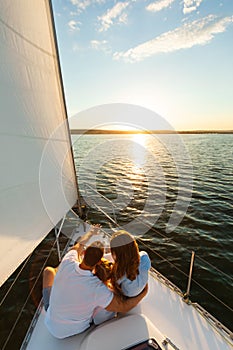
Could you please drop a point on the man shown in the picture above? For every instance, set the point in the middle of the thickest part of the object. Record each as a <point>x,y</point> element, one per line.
<point>76,292</point>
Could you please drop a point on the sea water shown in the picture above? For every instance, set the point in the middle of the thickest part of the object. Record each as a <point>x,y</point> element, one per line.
<point>149,179</point>
<point>187,177</point>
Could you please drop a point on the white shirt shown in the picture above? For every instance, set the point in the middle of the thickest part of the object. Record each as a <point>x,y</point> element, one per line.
<point>74,296</point>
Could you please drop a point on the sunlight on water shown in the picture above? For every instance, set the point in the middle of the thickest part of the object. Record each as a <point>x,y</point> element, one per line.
<point>140,138</point>
<point>142,144</point>
<point>138,156</point>
<point>144,171</point>
<point>137,171</point>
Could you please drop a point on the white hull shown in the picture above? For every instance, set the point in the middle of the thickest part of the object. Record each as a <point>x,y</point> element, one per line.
<point>38,187</point>
<point>161,315</point>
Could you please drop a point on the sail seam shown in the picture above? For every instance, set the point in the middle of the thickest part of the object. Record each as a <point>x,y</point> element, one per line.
<point>26,39</point>
<point>34,137</point>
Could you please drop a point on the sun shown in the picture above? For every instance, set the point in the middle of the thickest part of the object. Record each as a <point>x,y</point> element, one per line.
<point>119,127</point>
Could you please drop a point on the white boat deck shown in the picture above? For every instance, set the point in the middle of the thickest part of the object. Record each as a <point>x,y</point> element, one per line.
<point>161,315</point>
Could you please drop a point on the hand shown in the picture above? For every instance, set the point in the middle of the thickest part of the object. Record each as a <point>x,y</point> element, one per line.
<point>95,229</point>
<point>145,290</point>
<point>81,245</point>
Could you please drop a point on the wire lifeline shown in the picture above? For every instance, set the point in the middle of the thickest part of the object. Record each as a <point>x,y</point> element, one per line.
<point>32,289</point>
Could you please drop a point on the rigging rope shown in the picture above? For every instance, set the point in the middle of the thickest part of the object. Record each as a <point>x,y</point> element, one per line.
<point>153,251</point>
<point>156,231</point>
<point>187,250</point>
<point>14,281</point>
<point>193,280</point>
<point>178,269</point>
<point>141,241</point>
<point>216,268</point>
<point>29,295</point>
<point>153,229</point>
<point>214,296</point>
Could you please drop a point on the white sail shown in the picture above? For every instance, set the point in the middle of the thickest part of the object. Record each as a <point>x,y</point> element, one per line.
<point>37,177</point>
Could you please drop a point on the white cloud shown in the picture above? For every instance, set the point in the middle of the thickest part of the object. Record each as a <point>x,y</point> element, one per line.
<point>74,25</point>
<point>159,5</point>
<point>199,32</point>
<point>191,5</point>
<point>83,4</point>
<point>101,45</point>
<point>97,44</point>
<point>114,15</point>
<point>123,18</point>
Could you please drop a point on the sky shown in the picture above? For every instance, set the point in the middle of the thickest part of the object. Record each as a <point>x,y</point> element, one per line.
<point>173,57</point>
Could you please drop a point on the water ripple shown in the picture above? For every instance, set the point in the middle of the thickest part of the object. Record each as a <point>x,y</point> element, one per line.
<point>207,225</point>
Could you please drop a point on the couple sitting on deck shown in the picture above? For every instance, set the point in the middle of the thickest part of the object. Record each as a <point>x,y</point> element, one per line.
<point>93,290</point>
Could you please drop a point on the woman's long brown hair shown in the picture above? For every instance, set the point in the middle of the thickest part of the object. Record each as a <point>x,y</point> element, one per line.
<point>125,250</point>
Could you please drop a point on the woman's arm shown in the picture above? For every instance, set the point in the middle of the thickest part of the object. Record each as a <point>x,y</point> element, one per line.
<point>119,305</point>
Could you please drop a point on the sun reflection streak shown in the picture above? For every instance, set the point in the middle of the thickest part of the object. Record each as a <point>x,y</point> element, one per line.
<point>139,151</point>
<point>140,138</point>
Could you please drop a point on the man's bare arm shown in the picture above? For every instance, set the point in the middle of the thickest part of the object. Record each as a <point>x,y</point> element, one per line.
<point>79,246</point>
<point>119,305</point>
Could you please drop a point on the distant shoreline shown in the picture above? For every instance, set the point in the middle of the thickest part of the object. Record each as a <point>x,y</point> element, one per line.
<point>98,131</point>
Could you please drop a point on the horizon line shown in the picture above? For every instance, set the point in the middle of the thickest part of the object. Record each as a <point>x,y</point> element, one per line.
<point>105,131</point>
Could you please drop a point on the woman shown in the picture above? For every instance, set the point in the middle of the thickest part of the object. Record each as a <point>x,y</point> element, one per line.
<point>130,268</point>
<point>129,272</point>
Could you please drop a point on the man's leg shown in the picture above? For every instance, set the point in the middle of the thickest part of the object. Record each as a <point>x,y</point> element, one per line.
<point>48,278</point>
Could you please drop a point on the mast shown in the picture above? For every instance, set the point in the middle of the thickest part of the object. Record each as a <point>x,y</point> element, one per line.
<point>63,99</point>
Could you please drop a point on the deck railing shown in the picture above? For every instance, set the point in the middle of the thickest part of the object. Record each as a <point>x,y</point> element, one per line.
<point>187,293</point>
<point>72,234</point>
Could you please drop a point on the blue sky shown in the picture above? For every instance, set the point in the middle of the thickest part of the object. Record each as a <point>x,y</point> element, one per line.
<point>174,57</point>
